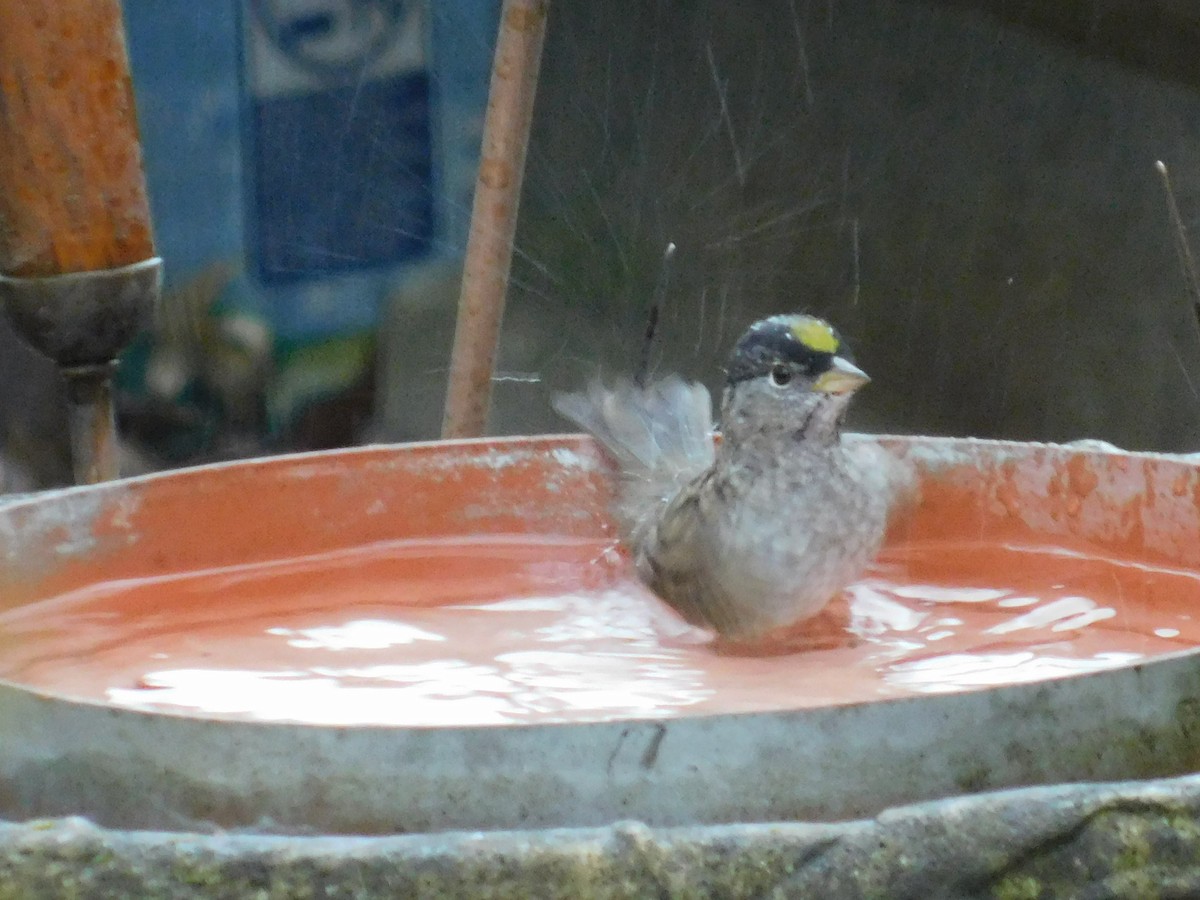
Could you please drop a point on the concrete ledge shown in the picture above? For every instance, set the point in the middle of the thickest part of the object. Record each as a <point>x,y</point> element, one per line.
<point>1131,839</point>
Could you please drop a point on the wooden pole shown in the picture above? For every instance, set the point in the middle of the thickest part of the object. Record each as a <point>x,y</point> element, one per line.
<point>494,216</point>
<point>72,192</point>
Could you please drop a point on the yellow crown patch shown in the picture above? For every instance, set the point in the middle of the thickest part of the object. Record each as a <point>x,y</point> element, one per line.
<point>815,335</point>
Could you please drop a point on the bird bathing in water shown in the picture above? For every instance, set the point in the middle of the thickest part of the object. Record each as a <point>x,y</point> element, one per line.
<point>760,531</point>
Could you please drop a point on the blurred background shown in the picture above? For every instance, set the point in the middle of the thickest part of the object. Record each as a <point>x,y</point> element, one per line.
<point>968,189</point>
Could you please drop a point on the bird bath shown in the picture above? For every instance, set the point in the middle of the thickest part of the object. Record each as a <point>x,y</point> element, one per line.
<point>119,738</point>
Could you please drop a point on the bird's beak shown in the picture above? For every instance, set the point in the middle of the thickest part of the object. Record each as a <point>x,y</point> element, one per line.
<point>842,378</point>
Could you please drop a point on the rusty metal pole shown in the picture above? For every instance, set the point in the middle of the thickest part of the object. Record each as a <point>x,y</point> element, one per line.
<point>78,272</point>
<point>494,216</point>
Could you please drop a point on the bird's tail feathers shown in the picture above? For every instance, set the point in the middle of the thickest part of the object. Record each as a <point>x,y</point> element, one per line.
<point>660,435</point>
<point>665,425</point>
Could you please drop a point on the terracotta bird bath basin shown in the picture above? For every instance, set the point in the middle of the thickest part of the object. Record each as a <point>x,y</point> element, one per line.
<point>446,636</point>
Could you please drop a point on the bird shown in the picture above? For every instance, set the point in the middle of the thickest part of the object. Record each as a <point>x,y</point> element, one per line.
<point>751,534</point>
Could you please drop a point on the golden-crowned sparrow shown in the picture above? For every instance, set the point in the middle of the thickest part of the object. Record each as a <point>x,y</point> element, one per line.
<point>762,530</point>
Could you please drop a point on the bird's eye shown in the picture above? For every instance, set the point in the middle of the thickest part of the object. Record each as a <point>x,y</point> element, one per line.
<point>781,375</point>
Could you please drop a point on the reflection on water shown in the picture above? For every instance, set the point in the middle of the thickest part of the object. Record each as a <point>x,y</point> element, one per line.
<point>500,632</point>
<point>565,656</point>
<point>957,671</point>
<point>363,634</point>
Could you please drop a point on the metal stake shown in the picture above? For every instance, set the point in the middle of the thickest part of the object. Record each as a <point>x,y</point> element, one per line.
<point>92,423</point>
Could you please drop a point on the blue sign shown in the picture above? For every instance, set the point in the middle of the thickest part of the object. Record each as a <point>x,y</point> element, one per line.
<point>339,167</point>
